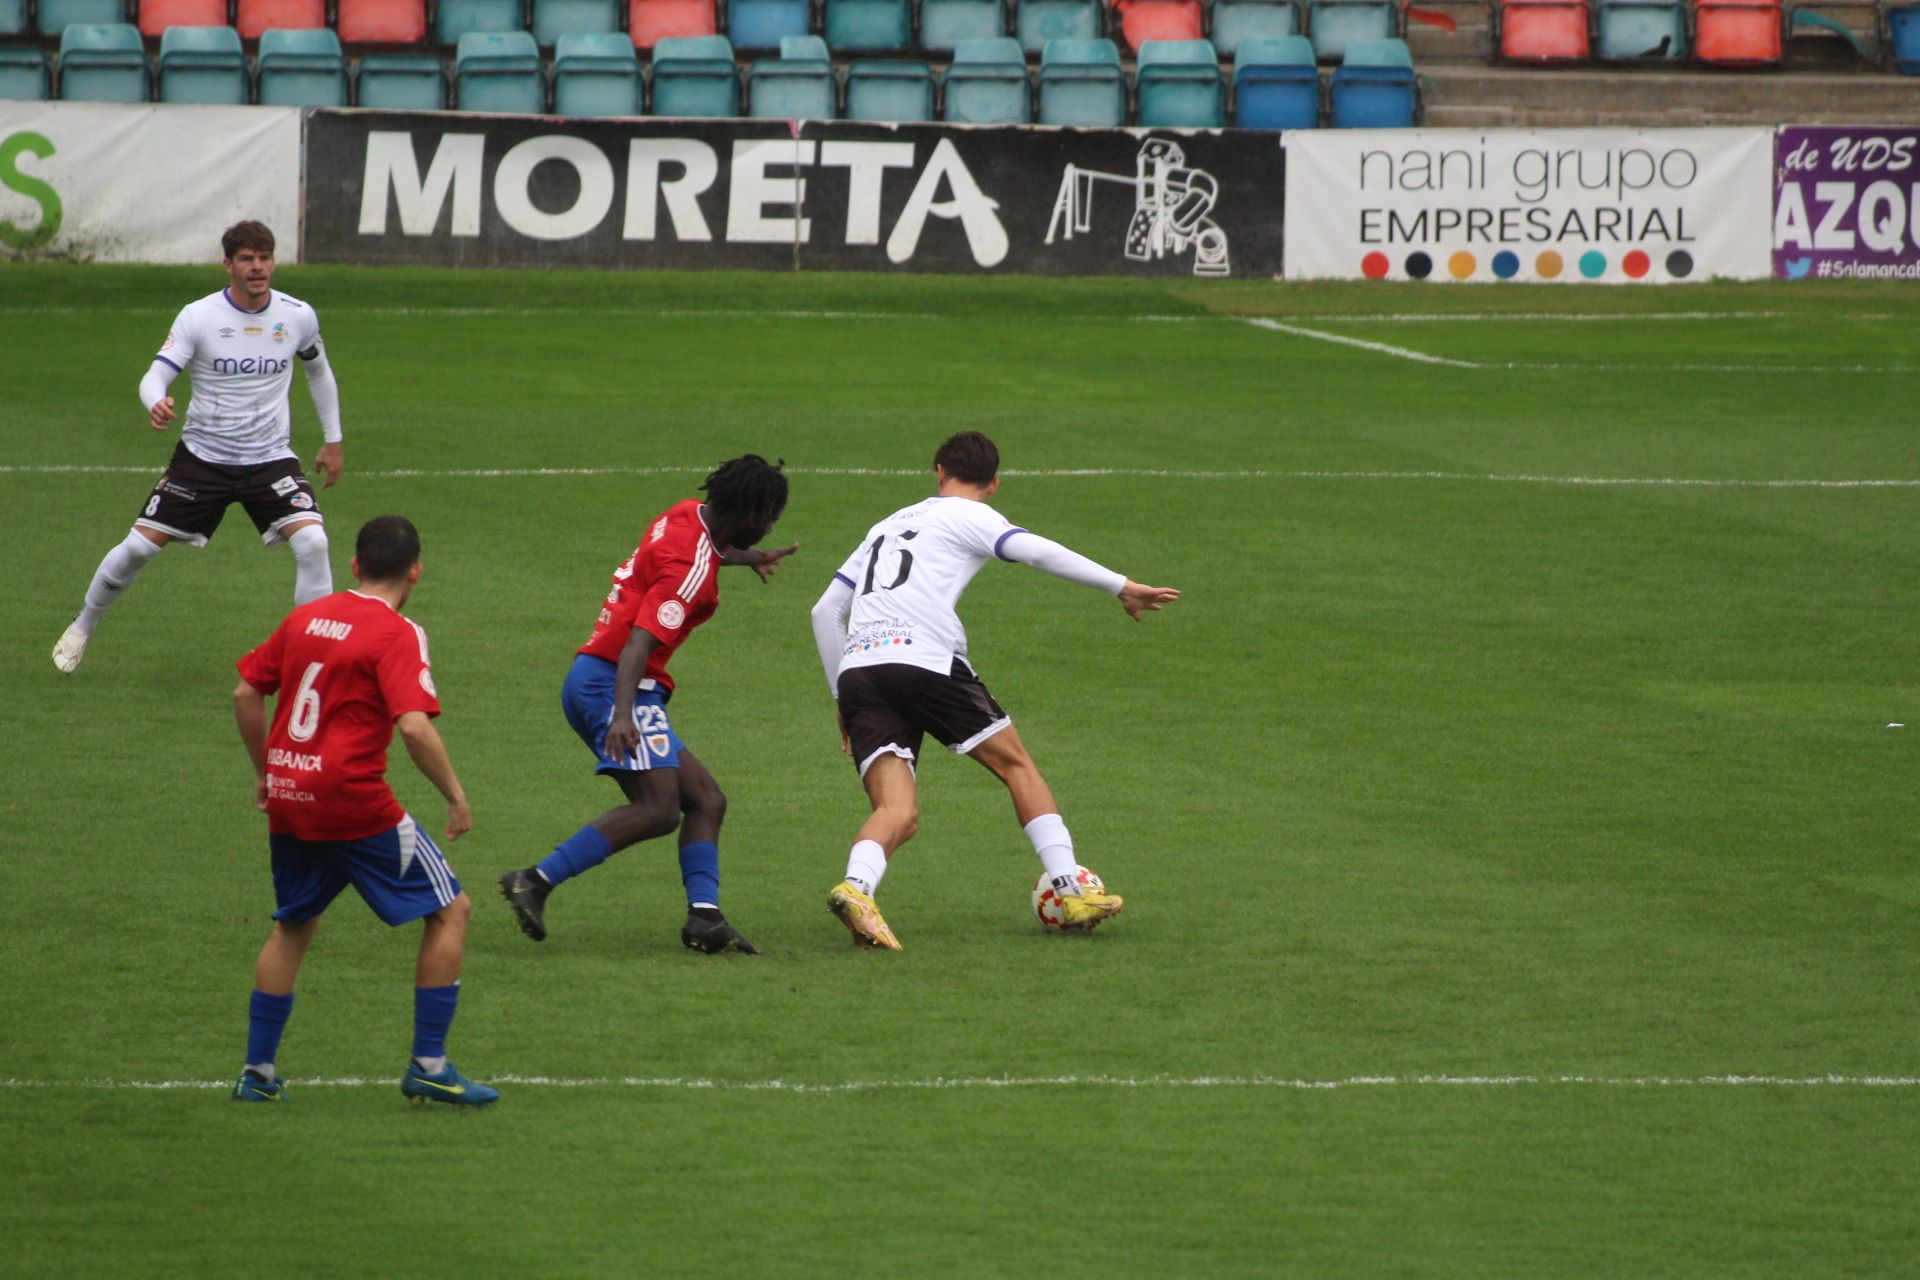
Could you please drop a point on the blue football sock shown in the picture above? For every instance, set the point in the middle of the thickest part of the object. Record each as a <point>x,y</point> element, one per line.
<point>432,1015</point>
<point>700,871</point>
<point>584,850</point>
<point>266,1019</point>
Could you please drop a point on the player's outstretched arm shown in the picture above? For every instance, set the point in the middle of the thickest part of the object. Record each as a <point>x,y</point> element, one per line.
<point>761,560</point>
<point>429,755</point>
<point>250,714</point>
<point>1137,598</point>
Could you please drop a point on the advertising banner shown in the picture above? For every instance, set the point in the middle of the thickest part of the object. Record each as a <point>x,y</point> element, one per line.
<point>113,182</point>
<point>1847,203</point>
<point>389,187</point>
<point>1579,205</point>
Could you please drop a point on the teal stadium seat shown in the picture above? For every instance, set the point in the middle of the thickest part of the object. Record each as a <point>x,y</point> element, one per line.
<point>23,75</point>
<point>302,69</point>
<point>1629,30</point>
<point>204,65</point>
<point>14,20</point>
<point>1237,20</point>
<point>1276,83</point>
<point>945,23</point>
<point>987,83</point>
<point>103,62</point>
<point>401,82</point>
<point>1903,38</point>
<point>900,92</point>
<point>762,24</point>
<point>53,17</point>
<point>797,85</point>
<point>456,18</point>
<point>695,76</point>
<point>499,71</point>
<point>596,73</point>
<point>869,24</point>
<point>555,18</point>
<point>1374,87</point>
<point>1082,84</point>
<point>1037,21</point>
<point>1178,85</point>
<point>1335,24</point>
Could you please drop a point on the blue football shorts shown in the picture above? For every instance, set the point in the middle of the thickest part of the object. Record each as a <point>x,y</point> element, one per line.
<point>587,698</point>
<point>400,873</point>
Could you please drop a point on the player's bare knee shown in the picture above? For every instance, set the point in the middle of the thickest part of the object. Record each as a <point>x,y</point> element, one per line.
<point>455,914</point>
<point>708,801</point>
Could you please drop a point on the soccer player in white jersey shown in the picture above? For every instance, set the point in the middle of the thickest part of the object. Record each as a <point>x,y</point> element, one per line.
<point>239,345</point>
<point>896,659</point>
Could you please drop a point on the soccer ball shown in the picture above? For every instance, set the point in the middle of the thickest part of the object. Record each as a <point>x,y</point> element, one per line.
<point>1046,903</point>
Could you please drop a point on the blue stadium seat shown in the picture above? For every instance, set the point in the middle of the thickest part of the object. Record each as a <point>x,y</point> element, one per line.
<point>1903,38</point>
<point>1037,21</point>
<point>455,18</point>
<point>1635,29</point>
<point>1373,88</point>
<point>797,85</point>
<point>1178,85</point>
<point>555,18</point>
<point>204,65</point>
<point>945,23</point>
<point>1081,83</point>
<point>499,71</point>
<point>13,18</point>
<point>891,90</point>
<point>53,17</point>
<point>596,73</point>
<point>761,24</point>
<point>1335,24</point>
<point>302,69</point>
<point>695,76</point>
<point>1237,20</point>
<point>1276,84</point>
<point>987,83</point>
<point>869,24</point>
<point>401,82</point>
<point>103,62</point>
<point>23,74</point>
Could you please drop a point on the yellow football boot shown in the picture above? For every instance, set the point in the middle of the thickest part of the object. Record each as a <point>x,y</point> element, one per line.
<point>862,918</point>
<point>1088,908</point>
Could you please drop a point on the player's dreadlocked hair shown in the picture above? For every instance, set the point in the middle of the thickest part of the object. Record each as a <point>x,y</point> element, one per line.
<point>749,486</point>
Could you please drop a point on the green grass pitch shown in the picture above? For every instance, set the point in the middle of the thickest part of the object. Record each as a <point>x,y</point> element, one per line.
<point>1478,827</point>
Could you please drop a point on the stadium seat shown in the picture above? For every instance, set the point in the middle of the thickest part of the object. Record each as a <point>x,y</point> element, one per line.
<point>555,18</point>
<point>53,17</point>
<point>401,82</point>
<point>1037,21</point>
<point>1237,20</point>
<point>1739,33</point>
<point>1081,83</point>
<point>987,83</point>
<point>1335,24</point>
<point>1144,20</point>
<point>797,85</point>
<point>302,69</point>
<point>453,19</point>
<point>157,15</point>
<point>103,62</point>
<point>869,24</point>
<point>1276,83</point>
<point>254,17</point>
<point>499,71</point>
<point>14,19</point>
<point>1373,88</point>
<point>1632,29</point>
<point>23,74</point>
<point>945,23</point>
<point>761,24</point>
<point>1177,83</point>
<point>891,90</point>
<point>596,73</point>
<point>1543,30</point>
<point>651,21</point>
<point>1903,39</point>
<point>382,21</point>
<point>695,76</point>
<point>204,65</point>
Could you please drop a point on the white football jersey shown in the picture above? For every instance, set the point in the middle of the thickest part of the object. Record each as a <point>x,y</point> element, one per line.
<point>241,363</point>
<point>908,574</point>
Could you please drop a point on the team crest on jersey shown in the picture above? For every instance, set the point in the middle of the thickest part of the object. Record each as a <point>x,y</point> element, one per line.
<point>672,614</point>
<point>659,530</point>
<point>280,333</point>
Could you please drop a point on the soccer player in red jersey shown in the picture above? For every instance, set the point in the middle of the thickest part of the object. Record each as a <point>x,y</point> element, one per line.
<point>616,693</point>
<point>349,669</point>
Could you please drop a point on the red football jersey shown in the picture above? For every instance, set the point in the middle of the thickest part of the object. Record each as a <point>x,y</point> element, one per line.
<point>668,586</point>
<point>349,665</point>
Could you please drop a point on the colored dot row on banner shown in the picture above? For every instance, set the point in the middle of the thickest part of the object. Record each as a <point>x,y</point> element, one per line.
<point>1548,265</point>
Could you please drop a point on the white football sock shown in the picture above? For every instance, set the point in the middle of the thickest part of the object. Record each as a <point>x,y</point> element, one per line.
<point>116,573</point>
<point>866,865</point>
<point>432,1066</point>
<point>262,1069</point>
<point>312,574</point>
<point>1055,847</point>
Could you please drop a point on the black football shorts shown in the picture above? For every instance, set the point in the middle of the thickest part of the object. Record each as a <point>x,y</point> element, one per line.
<point>193,495</point>
<point>889,706</point>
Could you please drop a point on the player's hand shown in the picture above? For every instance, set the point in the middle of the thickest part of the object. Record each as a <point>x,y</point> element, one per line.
<point>771,557</point>
<point>1137,598</point>
<point>459,820</point>
<point>161,413</point>
<point>623,737</point>
<point>328,463</point>
<point>260,793</point>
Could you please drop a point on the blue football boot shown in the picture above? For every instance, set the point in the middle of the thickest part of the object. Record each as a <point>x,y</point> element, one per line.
<point>448,1085</point>
<point>252,1088</point>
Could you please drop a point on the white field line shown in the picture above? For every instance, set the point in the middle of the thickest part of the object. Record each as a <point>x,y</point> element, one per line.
<point>941,1083</point>
<point>1402,353</point>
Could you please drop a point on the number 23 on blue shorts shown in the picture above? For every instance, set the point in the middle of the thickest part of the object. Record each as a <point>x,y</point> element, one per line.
<point>587,698</point>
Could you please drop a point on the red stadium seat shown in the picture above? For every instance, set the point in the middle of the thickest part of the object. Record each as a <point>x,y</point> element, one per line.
<point>1738,33</point>
<point>649,21</point>
<point>254,16</point>
<point>1143,20</point>
<point>382,21</point>
<point>157,15</point>
<point>1544,30</point>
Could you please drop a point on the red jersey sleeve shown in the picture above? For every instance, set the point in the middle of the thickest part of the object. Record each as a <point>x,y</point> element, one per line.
<point>673,575</point>
<point>261,668</point>
<point>406,673</point>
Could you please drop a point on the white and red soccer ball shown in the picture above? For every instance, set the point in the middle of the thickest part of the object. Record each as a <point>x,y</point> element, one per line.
<point>1046,903</point>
